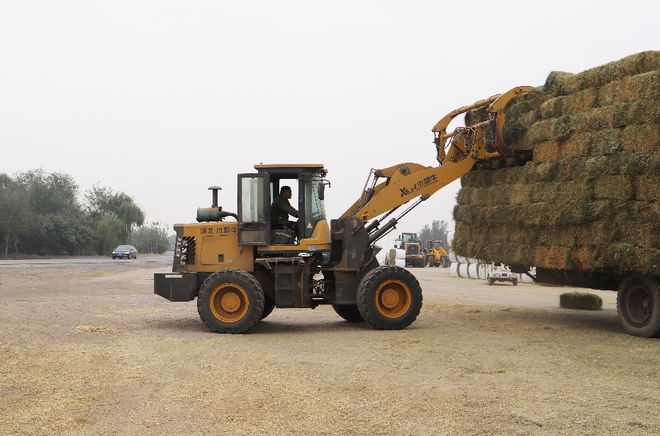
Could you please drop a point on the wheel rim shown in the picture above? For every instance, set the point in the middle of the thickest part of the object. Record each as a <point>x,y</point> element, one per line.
<point>229,302</point>
<point>638,305</point>
<point>393,298</point>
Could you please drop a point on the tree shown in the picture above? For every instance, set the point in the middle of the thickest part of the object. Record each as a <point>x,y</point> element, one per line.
<point>115,213</point>
<point>150,239</point>
<point>436,231</point>
<point>13,212</point>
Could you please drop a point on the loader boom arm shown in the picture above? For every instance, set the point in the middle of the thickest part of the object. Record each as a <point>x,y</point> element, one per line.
<point>457,152</point>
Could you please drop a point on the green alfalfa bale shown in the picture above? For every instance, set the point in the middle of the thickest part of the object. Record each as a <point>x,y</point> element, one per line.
<point>568,104</point>
<point>541,131</point>
<point>546,151</point>
<point>629,66</point>
<point>560,83</point>
<point>551,257</point>
<point>645,86</point>
<point>627,257</point>
<point>582,257</point>
<point>640,137</point>
<point>476,116</point>
<point>647,187</point>
<point>465,195</point>
<point>605,142</point>
<point>580,301</point>
<point>641,62</point>
<point>614,187</point>
<point>478,179</point>
<point>637,112</point>
<point>633,163</point>
<point>516,128</point>
<point>576,146</point>
<point>463,214</point>
<point>564,127</point>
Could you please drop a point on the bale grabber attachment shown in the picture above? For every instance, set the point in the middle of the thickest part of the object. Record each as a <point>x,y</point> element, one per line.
<point>482,141</point>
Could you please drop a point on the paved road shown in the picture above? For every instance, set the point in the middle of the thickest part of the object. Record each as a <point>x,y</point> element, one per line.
<point>83,260</point>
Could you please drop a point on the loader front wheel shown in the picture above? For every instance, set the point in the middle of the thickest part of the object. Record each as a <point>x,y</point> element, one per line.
<point>638,303</point>
<point>349,312</point>
<point>230,301</point>
<point>389,298</point>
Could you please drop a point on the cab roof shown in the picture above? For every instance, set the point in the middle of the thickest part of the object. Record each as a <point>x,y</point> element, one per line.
<point>290,168</point>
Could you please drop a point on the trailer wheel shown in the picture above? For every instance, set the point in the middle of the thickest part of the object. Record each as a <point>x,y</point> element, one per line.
<point>638,304</point>
<point>269,305</point>
<point>389,298</point>
<point>349,312</point>
<point>230,301</point>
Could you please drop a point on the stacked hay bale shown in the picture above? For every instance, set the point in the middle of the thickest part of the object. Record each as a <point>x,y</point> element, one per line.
<point>588,200</point>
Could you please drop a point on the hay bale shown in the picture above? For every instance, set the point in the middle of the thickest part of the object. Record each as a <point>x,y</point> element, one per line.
<point>580,301</point>
<point>588,199</point>
<point>647,187</point>
<point>615,187</point>
<point>640,137</point>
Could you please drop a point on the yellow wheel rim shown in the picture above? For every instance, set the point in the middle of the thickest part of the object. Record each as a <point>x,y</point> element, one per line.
<point>229,302</point>
<point>393,298</point>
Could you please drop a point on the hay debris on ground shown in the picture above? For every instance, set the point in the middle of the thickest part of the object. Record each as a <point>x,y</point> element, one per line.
<point>95,329</point>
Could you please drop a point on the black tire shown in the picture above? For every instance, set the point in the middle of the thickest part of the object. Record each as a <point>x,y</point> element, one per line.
<point>638,304</point>
<point>349,312</point>
<point>515,282</point>
<point>491,282</point>
<point>445,262</point>
<point>269,306</point>
<point>230,301</point>
<point>389,298</point>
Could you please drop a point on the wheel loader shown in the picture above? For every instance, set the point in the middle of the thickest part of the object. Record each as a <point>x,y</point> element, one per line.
<point>239,270</point>
<point>436,255</point>
<point>412,247</point>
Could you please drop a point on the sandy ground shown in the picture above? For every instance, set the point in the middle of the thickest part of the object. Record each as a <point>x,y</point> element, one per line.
<point>88,349</point>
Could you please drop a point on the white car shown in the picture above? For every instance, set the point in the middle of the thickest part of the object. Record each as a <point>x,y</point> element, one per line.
<point>500,273</point>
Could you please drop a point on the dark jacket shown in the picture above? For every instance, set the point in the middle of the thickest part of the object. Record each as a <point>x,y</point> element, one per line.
<point>280,211</point>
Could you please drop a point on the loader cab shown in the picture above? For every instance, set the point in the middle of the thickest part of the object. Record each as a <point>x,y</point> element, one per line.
<point>256,192</point>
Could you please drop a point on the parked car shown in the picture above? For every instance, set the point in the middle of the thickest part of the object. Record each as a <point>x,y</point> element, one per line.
<point>124,252</point>
<point>500,273</point>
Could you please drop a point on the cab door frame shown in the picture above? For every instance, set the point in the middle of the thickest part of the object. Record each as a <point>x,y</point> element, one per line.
<point>253,213</point>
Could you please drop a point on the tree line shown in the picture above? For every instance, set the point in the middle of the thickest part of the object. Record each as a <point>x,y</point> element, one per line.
<point>436,231</point>
<point>42,213</point>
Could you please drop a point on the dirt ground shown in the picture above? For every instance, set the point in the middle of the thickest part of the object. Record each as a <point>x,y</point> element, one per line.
<point>89,349</point>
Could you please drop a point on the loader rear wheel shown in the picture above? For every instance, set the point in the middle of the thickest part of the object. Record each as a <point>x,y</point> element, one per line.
<point>349,312</point>
<point>269,306</point>
<point>638,304</point>
<point>389,298</point>
<point>230,301</point>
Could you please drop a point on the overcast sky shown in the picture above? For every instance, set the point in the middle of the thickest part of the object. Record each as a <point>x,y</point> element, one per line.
<point>161,99</point>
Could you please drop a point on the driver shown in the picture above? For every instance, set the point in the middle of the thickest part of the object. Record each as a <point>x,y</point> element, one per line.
<point>281,209</point>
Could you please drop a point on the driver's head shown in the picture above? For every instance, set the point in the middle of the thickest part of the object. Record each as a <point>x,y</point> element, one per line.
<point>285,192</point>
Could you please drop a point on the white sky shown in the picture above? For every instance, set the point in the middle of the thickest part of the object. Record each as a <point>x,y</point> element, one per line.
<point>161,99</point>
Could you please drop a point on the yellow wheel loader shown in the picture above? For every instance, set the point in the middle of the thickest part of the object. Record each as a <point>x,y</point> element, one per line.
<point>240,270</point>
<point>415,256</point>
<point>436,255</point>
